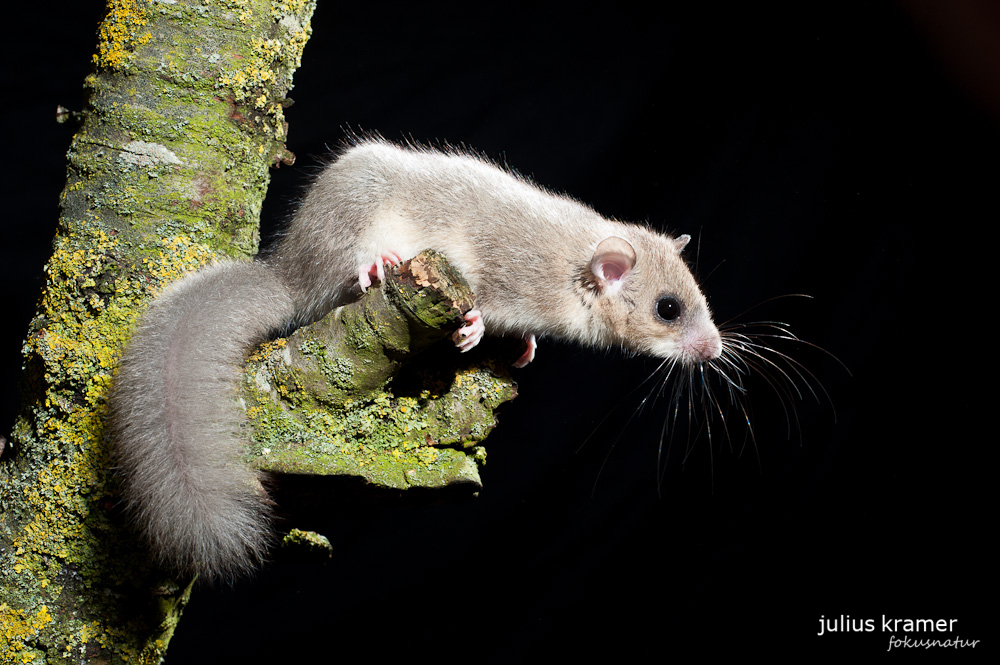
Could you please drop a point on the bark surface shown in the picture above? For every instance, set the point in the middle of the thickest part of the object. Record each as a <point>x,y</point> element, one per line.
<point>167,172</point>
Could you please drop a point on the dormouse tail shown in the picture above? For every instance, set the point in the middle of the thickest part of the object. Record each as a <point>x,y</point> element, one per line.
<point>174,420</point>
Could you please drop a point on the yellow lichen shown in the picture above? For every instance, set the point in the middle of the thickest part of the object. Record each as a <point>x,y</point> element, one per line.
<point>19,629</point>
<point>119,33</point>
<point>87,319</point>
<point>95,287</point>
<point>177,255</point>
<point>291,6</point>
<point>248,81</point>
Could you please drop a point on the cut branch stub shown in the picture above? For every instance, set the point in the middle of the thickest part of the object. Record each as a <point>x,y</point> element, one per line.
<point>432,293</point>
<point>352,395</point>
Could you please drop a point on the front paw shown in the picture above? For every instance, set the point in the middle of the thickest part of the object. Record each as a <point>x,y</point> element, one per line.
<point>367,274</point>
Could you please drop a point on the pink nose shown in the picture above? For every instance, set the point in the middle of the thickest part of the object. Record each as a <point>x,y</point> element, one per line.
<point>713,347</point>
<point>705,347</point>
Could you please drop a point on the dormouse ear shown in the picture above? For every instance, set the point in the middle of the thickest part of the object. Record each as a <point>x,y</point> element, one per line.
<point>613,261</point>
<point>680,242</point>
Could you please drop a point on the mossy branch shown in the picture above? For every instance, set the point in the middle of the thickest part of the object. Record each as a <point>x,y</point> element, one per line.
<point>352,395</point>
<point>167,172</point>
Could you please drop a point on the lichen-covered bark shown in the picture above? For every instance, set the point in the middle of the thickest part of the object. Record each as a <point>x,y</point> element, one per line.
<point>166,173</point>
<point>352,396</point>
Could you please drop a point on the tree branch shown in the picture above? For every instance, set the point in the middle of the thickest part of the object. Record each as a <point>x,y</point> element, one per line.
<point>167,172</point>
<point>352,395</point>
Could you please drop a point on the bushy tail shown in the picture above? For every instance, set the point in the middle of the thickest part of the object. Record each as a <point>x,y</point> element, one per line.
<point>174,420</point>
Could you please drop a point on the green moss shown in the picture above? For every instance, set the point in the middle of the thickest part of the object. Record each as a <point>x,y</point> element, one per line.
<point>392,440</point>
<point>165,175</point>
<point>337,398</point>
<point>251,80</point>
<point>85,315</point>
<point>308,539</point>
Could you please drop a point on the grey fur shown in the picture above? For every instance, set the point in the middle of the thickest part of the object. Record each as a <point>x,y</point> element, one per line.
<point>527,254</point>
<point>175,420</point>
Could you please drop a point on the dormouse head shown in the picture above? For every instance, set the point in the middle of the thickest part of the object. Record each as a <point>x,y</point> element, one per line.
<point>646,294</point>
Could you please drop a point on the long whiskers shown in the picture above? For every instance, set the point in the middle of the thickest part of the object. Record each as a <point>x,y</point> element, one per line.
<point>711,401</point>
<point>707,393</point>
<point>666,366</point>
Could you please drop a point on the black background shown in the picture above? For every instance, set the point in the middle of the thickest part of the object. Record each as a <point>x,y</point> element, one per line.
<point>847,150</point>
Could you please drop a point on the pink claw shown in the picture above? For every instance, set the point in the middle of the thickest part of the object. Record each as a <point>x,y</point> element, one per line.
<point>529,353</point>
<point>376,271</point>
<point>469,335</point>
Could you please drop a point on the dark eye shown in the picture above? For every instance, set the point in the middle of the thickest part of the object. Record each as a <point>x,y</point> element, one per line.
<point>668,308</point>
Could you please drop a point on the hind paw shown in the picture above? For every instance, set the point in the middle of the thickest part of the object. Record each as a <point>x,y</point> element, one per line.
<point>469,335</point>
<point>529,353</point>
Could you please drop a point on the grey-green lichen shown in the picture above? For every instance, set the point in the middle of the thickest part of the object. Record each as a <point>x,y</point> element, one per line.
<point>59,528</point>
<point>307,542</point>
<point>352,396</point>
<point>166,173</point>
<point>313,410</point>
<point>394,441</point>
